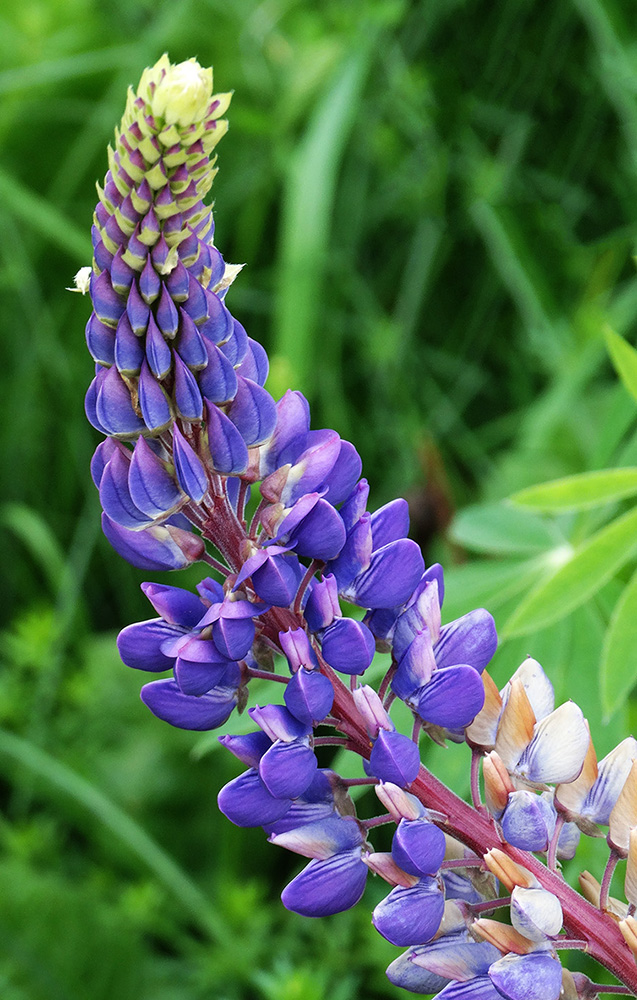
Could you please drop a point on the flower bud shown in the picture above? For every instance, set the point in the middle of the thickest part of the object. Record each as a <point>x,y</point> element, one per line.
<point>535,913</point>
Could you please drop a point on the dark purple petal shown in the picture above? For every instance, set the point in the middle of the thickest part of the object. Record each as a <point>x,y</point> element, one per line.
<point>327,886</point>
<point>138,311</point>
<point>139,645</point>
<point>158,353</point>
<point>293,424</point>
<point>198,678</point>
<point>227,448</point>
<point>129,349</point>
<point>389,523</point>
<point>471,639</point>
<point>393,573</point>
<point>189,469</point>
<point>322,604</point>
<point>278,722</point>
<point>313,466</point>
<point>167,315</point>
<point>253,412</point>
<point>416,666</point>
<point>176,605</point>
<point>235,343</point>
<point>286,769</point>
<point>149,282</point>
<point>248,748</point>
<point>356,554</point>
<point>321,533</point>
<point>412,915</point>
<point>247,802</point>
<point>255,364</point>
<point>152,488</point>
<point>178,283</point>
<point>102,455</point>
<point>157,548</point>
<point>190,345</point>
<point>343,475</point>
<point>219,325</point>
<point>196,304</point>
<point>418,847</point>
<point>113,405</point>
<point>233,636</point>
<point>107,303</point>
<point>218,380</point>
<point>394,758</point>
<point>168,702</point>
<point>452,698</point>
<point>153,401</point>
<point>480,988</point>
<point>309,696</point>
<point>355,505</point>
<point>277,581</point>
<point>115,495</point>
<point>100,340</point>
<point>186,394</point>
<point>348,646</point>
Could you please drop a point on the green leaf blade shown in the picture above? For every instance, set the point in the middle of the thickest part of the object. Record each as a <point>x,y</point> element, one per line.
<point>572,493</point>
<point>582,575</point>
<point>624,358</point>
<point>618,670</point>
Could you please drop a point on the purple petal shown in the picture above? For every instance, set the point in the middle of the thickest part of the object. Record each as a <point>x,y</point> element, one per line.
<point>168,702</point>
<point>480,988</point>
<point>293,424</point>
<point>186,392</point>
<point>158,353</point>
<point>137,310</point>
<point>309,696</point>
<point>356,554</point>
<point>100,340</point>
<point>102,456</point>
<point>296,647</point>
<point>167,315</point>
<point>152,488</point>
<point>248,748</point>
<point>247,802</point>
<point>348,646</point>
<point>322,604</point>
<point>355,505</point>
<point>418,847</point>
<point>389,523</point>
<point>233,636</point>
<point>395,758</point>
<point>198,678</point>
<point>227,448</point>
<point>190,345</point>
<point>277,581</point>
<point>321,533</point>
<point>329,886</point>
<point>410,916</point>
<point>113,405</point>
<point>527,977</point>
<point>471,639</point>
<point>218,380</point>
<point>528,821</point>
<point>129,349</point>
<point>157,548</point>
<point>278,722</point>
<point>176,605</point>
<point>452,698</point>
<point>115,495</point>
<point>139,645</point>
<point>153,401</point>
<point>149,282</point>
<point>107,303</point>
<point>189,469</point>
<point>321,838</point>
<point>253,412</point>
<point>344,474</point>
<point>313,466</point>
<point>394,571</point>
<point>286,769</point>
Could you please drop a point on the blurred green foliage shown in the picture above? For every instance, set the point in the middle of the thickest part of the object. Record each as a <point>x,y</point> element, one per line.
<point>437,203</point>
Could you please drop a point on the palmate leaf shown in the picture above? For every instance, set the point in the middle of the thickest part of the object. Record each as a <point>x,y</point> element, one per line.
<point>624,358</point>
<point>500,529</point>
<point>618,670</point>
<point>571,493</point>
<point>589,567</point>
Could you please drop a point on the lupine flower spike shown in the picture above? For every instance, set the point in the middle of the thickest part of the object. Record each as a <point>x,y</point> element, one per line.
<point>188,431</point>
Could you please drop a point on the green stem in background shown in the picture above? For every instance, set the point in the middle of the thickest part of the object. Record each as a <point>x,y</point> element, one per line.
<point>139,843</point>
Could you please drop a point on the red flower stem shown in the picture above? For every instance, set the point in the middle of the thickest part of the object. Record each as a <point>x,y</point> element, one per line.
<point>475,829</point>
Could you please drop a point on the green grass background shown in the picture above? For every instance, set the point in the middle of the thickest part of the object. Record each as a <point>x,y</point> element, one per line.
<point>437,204</point>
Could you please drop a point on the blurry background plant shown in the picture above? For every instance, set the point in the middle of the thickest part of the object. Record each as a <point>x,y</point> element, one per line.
<point>438,205</point>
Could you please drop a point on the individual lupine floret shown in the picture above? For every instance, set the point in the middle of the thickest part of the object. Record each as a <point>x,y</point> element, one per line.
<point>288,767</point>
<point>275,572</point>
<point>378,566</point>
<point>346,644</point>
<point>394,758</point>
<point>481,734</point>
<point>308,695</point>
<point>528,820</point>
<point>430,967</point>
